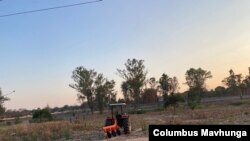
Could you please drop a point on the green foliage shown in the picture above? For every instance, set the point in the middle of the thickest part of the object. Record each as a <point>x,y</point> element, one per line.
<point>233,80</point>
<point>235,83</point>
<point>220,90</point>
<point>195,79</point>
<point>93,86</point>
<point>41,115</point>
<point>104,92</point>
<point>246,81</point>
<point>193,98</point>
<point>134,76</point>
<point>2,100</point>
<point>168,85</point>
<point>164,84</point>
<point>173,100</point>
<point>149,96</point>
<point>84,85</point>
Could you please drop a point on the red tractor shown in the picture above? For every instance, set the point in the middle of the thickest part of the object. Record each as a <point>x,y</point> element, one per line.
<point>114,125</point>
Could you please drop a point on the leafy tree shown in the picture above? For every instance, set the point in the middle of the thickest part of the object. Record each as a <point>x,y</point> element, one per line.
<point>246,81</point>
<point>153,83</point>
<point>100,92</point>
<point>169,87</point>
<point>93,87</point>
<point>195,79</point>
<point>220,90</point>
<point>104,92</point>
<point>164,84</point>
<point>174,85</point>
<point>134,76</point>
<point>110,91</point>
<point>2,100</point>
<point>149,95</point>
<point>231,81</point>
<point>126,92</point>
<point>234,83</point>
<point>84,84</point>
<point>193,98</point>
<point>173,100</point>
<point>40,115</point>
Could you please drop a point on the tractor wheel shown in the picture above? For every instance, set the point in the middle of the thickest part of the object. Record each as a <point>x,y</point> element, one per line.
<point>118,132</point>
<point>114,133</point>
<point>126,126</point>
<point>109,135</point>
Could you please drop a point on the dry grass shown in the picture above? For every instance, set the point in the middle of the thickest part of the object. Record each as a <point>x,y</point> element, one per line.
<point>89,128</point>
<point>49,130</point>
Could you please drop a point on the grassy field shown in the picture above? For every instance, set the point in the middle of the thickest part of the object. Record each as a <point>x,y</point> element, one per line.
<point>89,128</point>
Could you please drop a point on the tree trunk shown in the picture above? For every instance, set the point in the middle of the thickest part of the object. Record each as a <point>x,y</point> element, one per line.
<point>90,104</point>
<point>241,93</point>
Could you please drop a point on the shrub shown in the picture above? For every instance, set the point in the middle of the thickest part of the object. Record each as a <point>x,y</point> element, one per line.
<point>42,115</point>
<point>193,98</point>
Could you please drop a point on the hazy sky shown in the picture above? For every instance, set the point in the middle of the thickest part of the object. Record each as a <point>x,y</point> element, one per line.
<point>39,51</point>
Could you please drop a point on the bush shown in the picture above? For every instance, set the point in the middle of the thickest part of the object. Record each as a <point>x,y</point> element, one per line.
<point>193,98</point>
<point>42,115</point>
<point>173,100</point>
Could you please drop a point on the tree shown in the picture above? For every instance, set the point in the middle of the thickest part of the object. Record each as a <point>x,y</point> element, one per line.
<point>93,87</point>
<point>169,87</point>
<point>174,85</point>
<point>126,92</point>
<point>149,95</point>
<point>2,100</point>
<point>195,79</point>
<point>246,81</point>
<point>152,83</point>
<point>100,92</point>
<point>110,91</point>
<point>84,84</point>
<point>134,76</point>
<point>234,83</point>
<point>220,90</point>
<point>164,85</point>
<point>231,81</point>
<point>104,92</point>
<point>174,100</point>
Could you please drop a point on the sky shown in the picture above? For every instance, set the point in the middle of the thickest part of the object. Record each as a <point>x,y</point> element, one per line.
<point>39,51</point>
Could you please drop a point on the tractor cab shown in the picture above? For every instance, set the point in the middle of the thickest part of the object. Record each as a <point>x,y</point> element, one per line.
<point>118,120</point>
